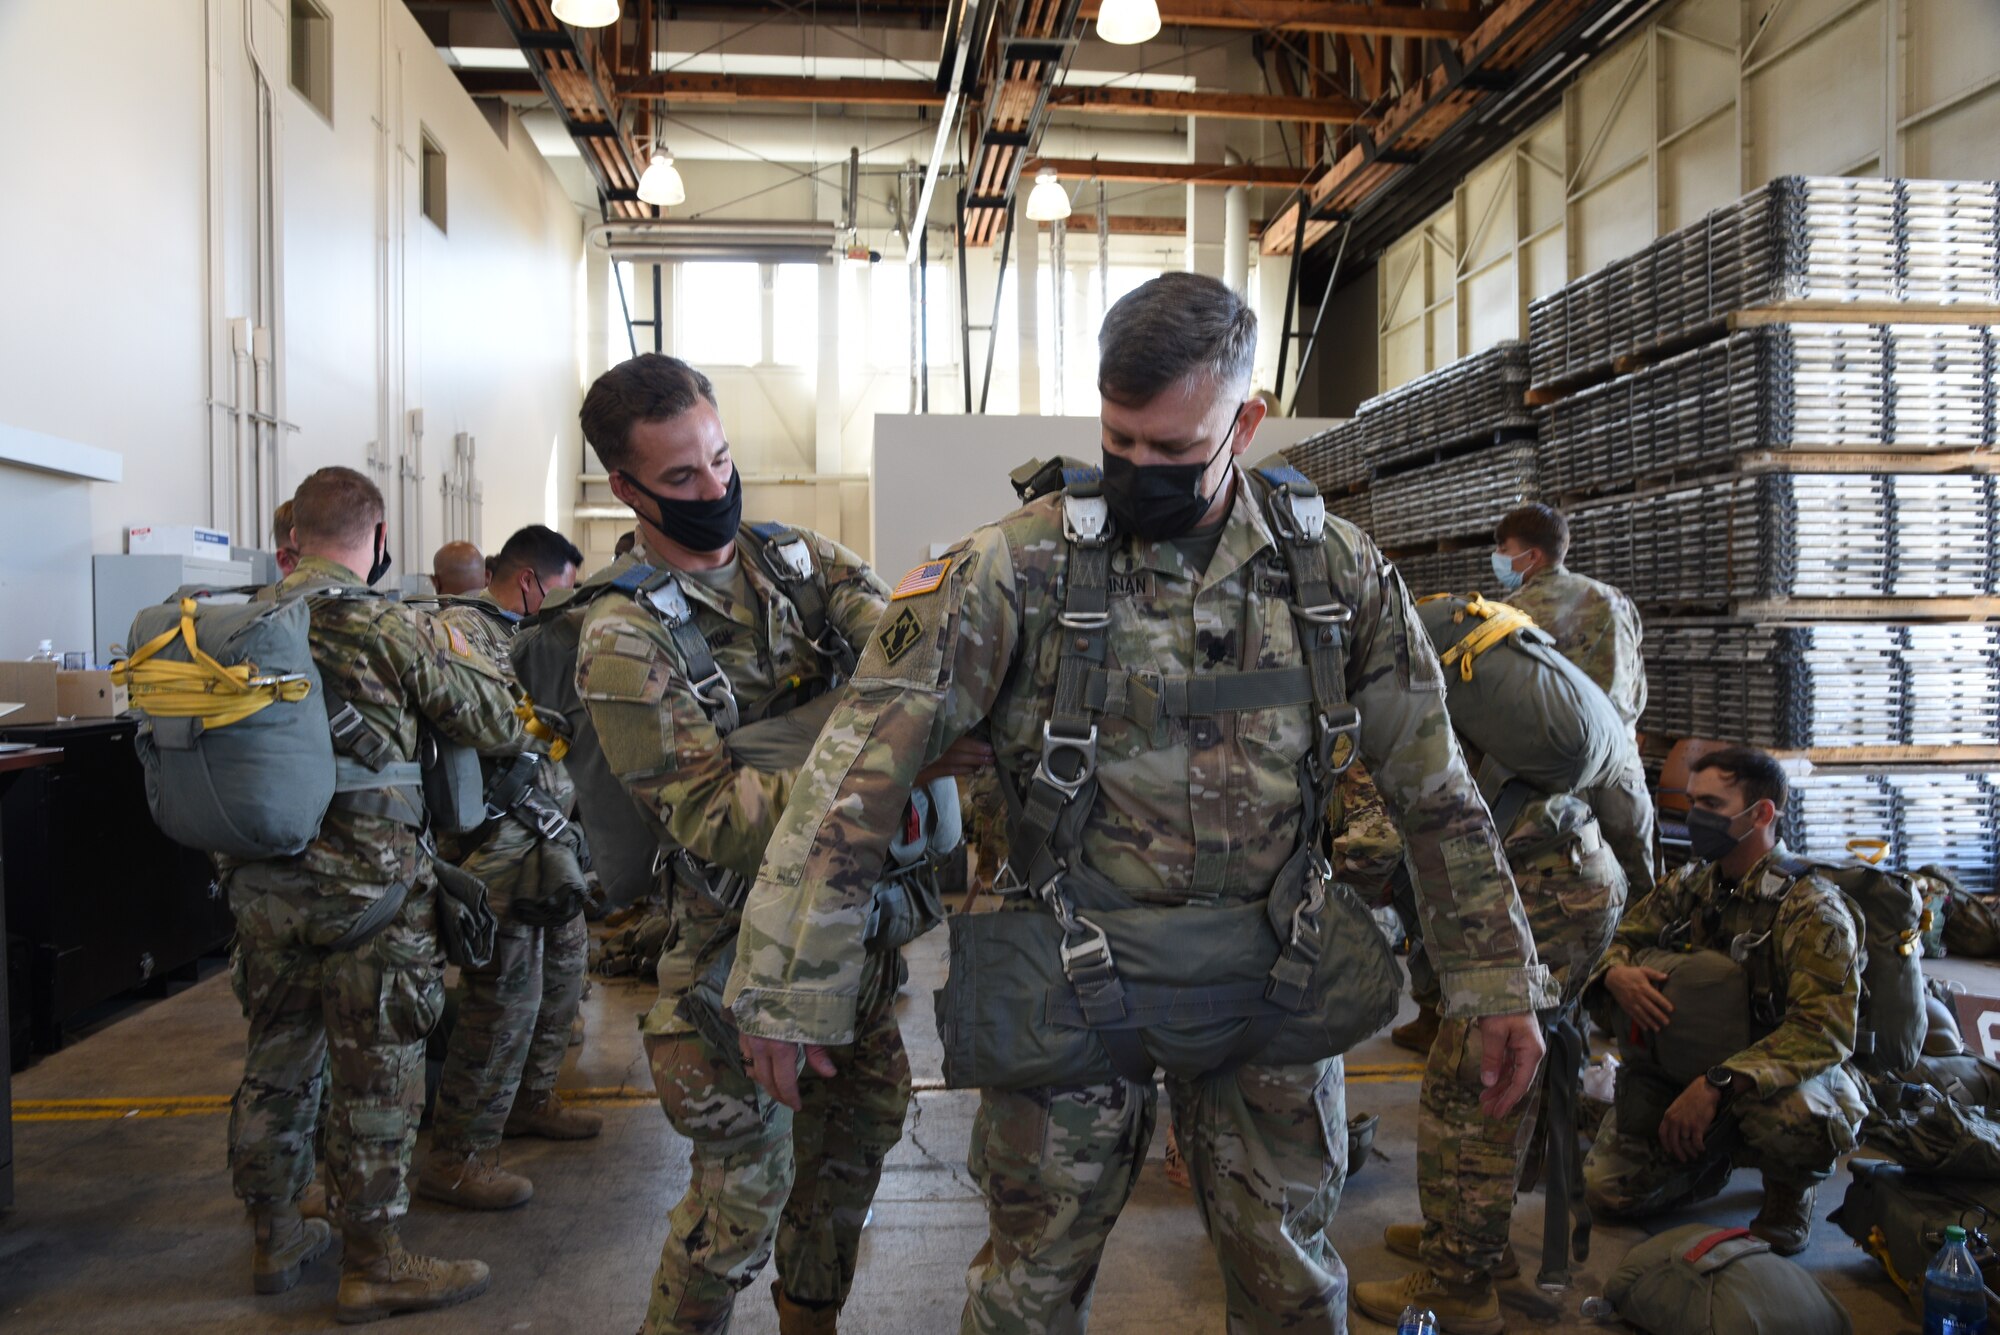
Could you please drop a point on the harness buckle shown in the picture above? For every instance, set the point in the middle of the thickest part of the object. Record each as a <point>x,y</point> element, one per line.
<point>1743,943</point>
<point>1306,513</point>
<point>717,682</point>
<point>671,603</point>
<point>1084,620</point>
<point>1330,732</point>
<point>1326,614</point>
<point>1086,520</point>
<point>795,556</point>
<point>838,648</point>
<point>1091,955</point>
<point>1085,750</point>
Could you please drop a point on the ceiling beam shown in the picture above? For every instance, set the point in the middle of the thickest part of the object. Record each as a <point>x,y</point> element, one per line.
<point>1332,109</point>
<point>1188,173</point>
<point>1296,16</point>
<point>730,88</point>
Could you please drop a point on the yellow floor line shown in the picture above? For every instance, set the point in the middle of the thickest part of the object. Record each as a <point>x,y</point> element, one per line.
<point>606,1096</point>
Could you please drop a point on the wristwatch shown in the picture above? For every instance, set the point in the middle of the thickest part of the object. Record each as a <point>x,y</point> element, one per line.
<point>1721,1079</point>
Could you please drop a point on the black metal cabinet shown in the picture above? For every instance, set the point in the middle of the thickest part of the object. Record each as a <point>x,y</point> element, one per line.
<point>104,902</point>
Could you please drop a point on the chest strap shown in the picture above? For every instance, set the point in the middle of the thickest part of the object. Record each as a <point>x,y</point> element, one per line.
<point>787,558</point>
<point>660,590</point>
<point>1145,698</point>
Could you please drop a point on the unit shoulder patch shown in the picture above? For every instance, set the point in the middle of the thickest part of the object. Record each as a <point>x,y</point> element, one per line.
<point>901,635</point>
<point>924,579</point>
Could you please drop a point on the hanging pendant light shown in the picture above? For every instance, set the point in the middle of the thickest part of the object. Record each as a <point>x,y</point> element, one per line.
<point>661,184</point>
<point>1128,22</point>
<point>593,13</point>
<point>1048,201</point>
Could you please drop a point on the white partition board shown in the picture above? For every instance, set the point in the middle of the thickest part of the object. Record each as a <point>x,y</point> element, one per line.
<point>938,477</point>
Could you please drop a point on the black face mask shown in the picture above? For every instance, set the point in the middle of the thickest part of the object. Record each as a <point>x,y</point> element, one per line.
<point>699,526</point>
<point>1158,501</point>
<point>1709,836</point>
<point>382,557</point>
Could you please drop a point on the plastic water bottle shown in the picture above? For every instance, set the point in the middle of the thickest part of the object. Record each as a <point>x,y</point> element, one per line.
<point>1419,1321</point>
<point>1954,1293</point>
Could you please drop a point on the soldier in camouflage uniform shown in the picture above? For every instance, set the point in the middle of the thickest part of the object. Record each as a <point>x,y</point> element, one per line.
<point>311,991</point>
<point>1597,628</point>
<point>1788,1103</point>
<point>761,1172</point>
<point>514,1013</point>
<point>1469,1164</point>
<point>1198,810</point>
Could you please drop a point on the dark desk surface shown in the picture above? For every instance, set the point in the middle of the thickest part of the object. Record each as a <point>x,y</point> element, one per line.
<point>30,758</point>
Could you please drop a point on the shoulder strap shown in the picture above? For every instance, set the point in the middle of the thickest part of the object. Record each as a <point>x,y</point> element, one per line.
<point>786,556</point>
<point>660,590</point>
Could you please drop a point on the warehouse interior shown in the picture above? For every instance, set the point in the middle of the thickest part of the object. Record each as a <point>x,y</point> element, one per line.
<point>1719,279</point>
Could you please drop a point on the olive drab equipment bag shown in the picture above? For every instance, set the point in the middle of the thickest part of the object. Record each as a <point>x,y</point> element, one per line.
<point>1899,1217</point>
<point>1515,697</point>
<point>1076,981</point>
<point>229,700</point>
<point>1887,908</point>
<point>1702,1280</point>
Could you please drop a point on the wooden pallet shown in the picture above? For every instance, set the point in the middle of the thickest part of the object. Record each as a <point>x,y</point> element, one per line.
<point>1930,756</point>
<point>1867,609</point>
<point>1864,312</point>
<point>1869,461</point>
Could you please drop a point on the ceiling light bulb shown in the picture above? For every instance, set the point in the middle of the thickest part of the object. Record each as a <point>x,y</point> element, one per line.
<point>589,13</point>
<point>1048,201</point>
<point>661,183</point>
<point>1128,22</point>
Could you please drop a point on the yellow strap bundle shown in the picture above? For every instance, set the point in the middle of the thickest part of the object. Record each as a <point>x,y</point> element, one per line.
<point>1497,622</point>
<point>532,724</point>
<point>204,688</point>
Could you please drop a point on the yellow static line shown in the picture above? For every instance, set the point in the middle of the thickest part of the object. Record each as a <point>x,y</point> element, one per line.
<point>608,1096</point>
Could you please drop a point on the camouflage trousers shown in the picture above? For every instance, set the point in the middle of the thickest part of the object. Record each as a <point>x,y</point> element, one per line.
<point>763,1177</point>
<point>361,1015</point>
<point>1794,1136</point>
<point>1266,1149</point>
<point>512,1030</point>
<point>1469,1164</point>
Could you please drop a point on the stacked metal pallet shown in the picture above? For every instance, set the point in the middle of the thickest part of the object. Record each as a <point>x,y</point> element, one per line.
<point>1839,685</point>
<point>1336,459</point>
<point>1456,498</point>
<point>1930,817</point>
<point>1796,239</point>
<point>1447,572</point>
<point>1809,387</point>
<point>1792,536</point>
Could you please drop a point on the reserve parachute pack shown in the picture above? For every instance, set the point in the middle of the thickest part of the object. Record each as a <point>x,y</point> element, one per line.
<point>1702,1280</point>
<point>1888,911</point>
<point>1076,981</point>
<point>1898,1216</point>
<point>1513,695</point>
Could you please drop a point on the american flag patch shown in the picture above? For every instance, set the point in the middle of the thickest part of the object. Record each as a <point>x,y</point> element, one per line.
<point>922,580</point>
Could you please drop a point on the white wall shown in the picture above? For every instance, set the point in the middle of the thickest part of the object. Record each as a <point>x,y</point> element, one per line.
<point>1707,102</point>
<point>109,336</point>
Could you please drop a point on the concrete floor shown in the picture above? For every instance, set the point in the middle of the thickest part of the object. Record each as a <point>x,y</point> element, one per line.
<point>124,1220</point>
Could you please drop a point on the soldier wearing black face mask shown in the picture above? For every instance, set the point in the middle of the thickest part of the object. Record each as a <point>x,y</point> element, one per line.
<point>1785,1098</point>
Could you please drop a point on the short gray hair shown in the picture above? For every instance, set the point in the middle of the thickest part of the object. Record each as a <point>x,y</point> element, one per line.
<point>1174,326</point>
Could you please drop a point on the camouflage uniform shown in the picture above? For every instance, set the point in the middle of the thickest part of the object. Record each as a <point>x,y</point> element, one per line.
<point>753,1158</point>
<point>1469,1164</point>
<point>1597,628</point>
<point>368,1008</point>
<point>1365,848</point>
<point>1806,1106</point>
<point>1185,810</point>
<point>513,1015</point>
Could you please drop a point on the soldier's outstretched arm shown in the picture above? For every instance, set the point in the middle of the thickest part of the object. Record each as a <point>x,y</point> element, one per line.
<point>1817,949</point>
<point>452,684</point>
<point>929,673</point>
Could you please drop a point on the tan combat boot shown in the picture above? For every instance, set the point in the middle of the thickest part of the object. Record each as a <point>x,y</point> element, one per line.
<point>1418,1034</point>
<point>381,1280</point>
<point>1472,1309</point>
<point>552,1118</point>
<point>797,1319</point>
<point>312,1201</point>
<point>285,1244</point>
<point>1786,1220</point>
<point>470,1182</point>
<point>1405,1239</point>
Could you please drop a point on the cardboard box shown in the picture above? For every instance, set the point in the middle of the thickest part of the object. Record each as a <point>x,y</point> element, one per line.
<point>32,687</point>
<point>200,544</point>
<point>90,694</point>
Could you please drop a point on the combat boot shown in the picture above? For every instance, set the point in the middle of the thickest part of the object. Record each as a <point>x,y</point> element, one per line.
<point>313,1200</point>
<point>1786,1220</point>
<point>1470,1309</point>
<point>381,1280</point>
<point>551,1118</point>
<point>798,1319</point>
<point>1406,1239</point>
<point>285,1243</point>
<point>470,1182</point>
<point>1418,1034</point>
